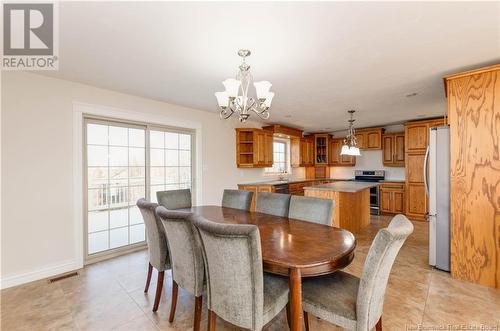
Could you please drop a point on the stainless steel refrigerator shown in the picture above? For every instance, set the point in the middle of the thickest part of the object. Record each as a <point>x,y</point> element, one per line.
<point>437,187</point>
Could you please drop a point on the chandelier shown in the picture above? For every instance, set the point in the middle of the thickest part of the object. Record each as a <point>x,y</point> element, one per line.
<point>350,145</point>
<point>235,99</point>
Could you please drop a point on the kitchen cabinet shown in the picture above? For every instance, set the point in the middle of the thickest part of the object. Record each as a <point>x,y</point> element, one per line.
<point>334,157</point>
<point>392,198</point>
<point>302,152</point>
<point>369,138</point>
<point>321,149</point>
<point>474,118</point>
<point>393,149</point>
<point>254,148</point>
<point>416,140</point>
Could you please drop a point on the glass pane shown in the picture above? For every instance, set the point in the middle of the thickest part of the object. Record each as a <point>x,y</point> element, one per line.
<point>97,177</point>
<point>185,141</point>
<point>154,189</point>
<point>137,233</point>
<point>157,175</point>
<point>97,221</point>
<point>184,158</point>
<point>156,139</point>
<point>184,174</point>
<point>136,137</point>
<point>98,242</point>
<point>118,237</point>
<point>137,156</point>
<point>97,199</point>
<point>135,215</point>
<point>137,176</point>
<point>118,176</point>
<point>171,175</point>
<point>97,156</point>
<point>135,193</point>
<point>97,134</point>
<point>184,185</point>
<point>157,157</point>
<point>171,140</point>
<point>118,218</point>
<point>118,156</point>
<point>172,157</point>
<point>118,136</point>
<point>118,196</point>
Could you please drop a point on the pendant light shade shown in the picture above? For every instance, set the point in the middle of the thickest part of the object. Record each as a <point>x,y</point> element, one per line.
<point>345,150</point>
<point>350,144</point>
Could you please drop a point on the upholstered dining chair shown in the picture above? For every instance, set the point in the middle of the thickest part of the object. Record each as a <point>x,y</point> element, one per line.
<point>310,209</point>
<point>276,204</point>
<point>174,199</point>
<point>186,258</point>
<point>157,247</point>
<point>237,199</point>
<point>356,303</point>
<point>238,291</point>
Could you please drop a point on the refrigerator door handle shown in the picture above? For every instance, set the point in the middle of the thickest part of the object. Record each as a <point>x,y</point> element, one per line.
<point>426,171</point>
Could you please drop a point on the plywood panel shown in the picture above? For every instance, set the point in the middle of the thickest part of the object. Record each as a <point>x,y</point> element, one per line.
<point>474,118</point>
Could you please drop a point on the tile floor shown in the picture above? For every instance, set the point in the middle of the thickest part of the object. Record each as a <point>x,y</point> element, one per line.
<point>109,296</point>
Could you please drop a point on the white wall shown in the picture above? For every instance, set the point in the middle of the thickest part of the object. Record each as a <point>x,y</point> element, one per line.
<point>37,237</point>
<point>370,160</point>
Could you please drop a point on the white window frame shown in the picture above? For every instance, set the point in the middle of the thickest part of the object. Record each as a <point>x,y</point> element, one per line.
<point>270,171</point>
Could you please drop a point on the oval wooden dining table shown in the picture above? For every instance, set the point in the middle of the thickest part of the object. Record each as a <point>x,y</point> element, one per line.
<point>291,248</point>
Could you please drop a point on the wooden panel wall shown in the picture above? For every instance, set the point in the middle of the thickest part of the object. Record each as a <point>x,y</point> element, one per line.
<point>474,118</point>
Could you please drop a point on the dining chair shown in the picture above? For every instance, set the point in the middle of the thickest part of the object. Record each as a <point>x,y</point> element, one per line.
<point>238,291</point>
<point>174,199</point>
<point>276,204</point>
<point>186,258</point>
<point>356,303</point>
<point>237,199</point>
<point>157,247</point>
<point>310,209</point>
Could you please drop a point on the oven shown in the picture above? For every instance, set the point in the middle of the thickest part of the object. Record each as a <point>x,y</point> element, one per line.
<point>371,176</point>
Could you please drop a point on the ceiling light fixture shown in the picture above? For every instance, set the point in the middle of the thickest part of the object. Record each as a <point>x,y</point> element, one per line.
<point>235,98</point>
<point>350,144</point>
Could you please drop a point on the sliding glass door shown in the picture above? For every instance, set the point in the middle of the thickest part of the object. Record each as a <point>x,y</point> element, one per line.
<point>125,162</point>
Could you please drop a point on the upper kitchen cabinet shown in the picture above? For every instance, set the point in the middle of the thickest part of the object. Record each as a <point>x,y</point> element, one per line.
<point>393,149</point>
<point>417,134</point>
<point>302,152</point>
<point>321,149</point>
<point>334,157</point>
<point>254,148</point>
<point>369,138</point>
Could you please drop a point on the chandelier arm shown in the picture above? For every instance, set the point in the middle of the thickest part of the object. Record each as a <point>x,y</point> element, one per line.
<point>226,113</point>
<point>262,114</point>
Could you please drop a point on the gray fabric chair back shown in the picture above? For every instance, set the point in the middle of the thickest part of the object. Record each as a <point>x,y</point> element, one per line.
<point>276,204</point>
<point>233,261</point>
<point>157,241</point>
<point>237,199</point>
<point>378,265</point>
<point>310,209</point>
<point>174,199</point>
<point>186,255</point>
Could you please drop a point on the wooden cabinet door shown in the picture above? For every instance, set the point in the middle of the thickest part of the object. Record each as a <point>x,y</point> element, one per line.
<point>415,168</point>
<point>361,140</point>
<point>310,153</point>
<point>295,152</point>
<point>388,149</point>
<point>385,201</point>
<point>346,159</point>
<point>334,153</point>
<point>399,149</point>
<point>398,202</point>
<point>416,200</point>
<point>416,137</point>
<point>260,148</point>
<point>268,150</point>
<point>373,139</point>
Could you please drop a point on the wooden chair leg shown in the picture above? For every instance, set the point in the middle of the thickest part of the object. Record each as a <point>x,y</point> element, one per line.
<point>211,320</point>
<point>197,312</point>
<point>148,280</point>
<point>378,326</point>
<point>175,291</point>
<point>159,288</point>
<point>288,315</point>
<point>307,320</point>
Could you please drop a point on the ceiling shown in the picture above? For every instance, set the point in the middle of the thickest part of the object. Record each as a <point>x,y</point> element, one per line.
<point>323,58</point>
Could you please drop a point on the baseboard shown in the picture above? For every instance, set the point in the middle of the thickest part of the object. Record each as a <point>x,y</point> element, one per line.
<point>30,276</point>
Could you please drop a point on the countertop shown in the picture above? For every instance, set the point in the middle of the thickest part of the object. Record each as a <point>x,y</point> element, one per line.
<point>392,181</point>
<point>290,181</point>
<point>342,186</point>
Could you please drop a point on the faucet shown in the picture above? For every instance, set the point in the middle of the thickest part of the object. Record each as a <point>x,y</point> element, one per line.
<point>283,175</point>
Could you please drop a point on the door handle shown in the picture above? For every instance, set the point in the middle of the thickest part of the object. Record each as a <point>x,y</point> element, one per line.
<point>426,179</point>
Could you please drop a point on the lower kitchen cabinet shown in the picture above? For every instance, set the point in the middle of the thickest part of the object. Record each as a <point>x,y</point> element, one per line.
<point>392,198</point>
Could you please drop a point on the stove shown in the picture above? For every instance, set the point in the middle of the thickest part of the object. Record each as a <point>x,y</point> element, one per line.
<point>371,176</point>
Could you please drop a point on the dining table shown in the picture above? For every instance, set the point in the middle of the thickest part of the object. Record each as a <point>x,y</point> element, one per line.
<point>291,248</point>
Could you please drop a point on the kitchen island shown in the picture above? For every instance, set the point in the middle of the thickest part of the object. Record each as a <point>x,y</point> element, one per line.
<point>352,202</point>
